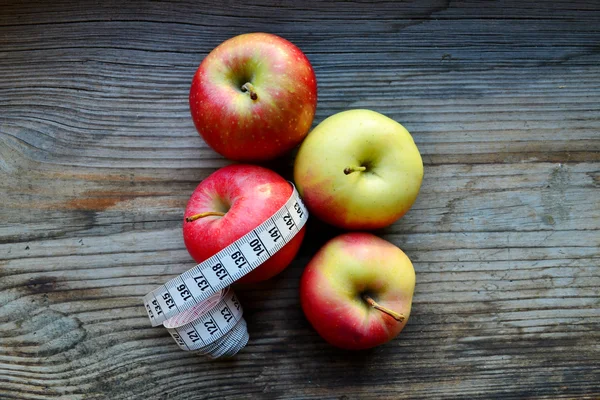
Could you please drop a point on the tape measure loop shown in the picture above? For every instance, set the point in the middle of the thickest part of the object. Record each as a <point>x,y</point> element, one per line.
<point>199,309</point>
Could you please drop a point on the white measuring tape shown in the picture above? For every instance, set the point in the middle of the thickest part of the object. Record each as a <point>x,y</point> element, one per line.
<point>199,309</point>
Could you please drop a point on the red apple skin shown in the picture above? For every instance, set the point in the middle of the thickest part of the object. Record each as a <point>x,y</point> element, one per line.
<point>249,195</point>
<point>334,280</point>
<point>245,129</point>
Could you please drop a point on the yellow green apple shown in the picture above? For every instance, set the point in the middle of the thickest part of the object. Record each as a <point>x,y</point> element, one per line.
<point>358,170</point>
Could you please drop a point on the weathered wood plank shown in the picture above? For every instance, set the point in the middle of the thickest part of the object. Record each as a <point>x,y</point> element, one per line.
<point>98,156</point>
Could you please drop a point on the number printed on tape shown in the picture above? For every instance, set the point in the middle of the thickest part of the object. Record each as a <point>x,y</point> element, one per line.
<point>218,272</point>
<point>166,301</point>
<point>178,339</point>
<point>235,262</point>
<point>253,249</point>
<point>196,283</point>
<point>180,293</point>
<point>228,265</point>
<point>210,326</point>
<point>286,225</point>
<point>271,238</point>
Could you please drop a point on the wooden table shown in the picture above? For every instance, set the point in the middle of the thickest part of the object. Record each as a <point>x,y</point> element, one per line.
<point>98,157</point>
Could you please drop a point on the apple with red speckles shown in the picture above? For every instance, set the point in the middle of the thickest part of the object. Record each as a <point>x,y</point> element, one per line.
<point>254,97</point>
<point>230,203</point>
<point>357,291</point>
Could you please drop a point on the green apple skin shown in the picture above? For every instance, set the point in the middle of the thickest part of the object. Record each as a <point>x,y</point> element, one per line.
<point>335,280</point>
<point>359,200</point>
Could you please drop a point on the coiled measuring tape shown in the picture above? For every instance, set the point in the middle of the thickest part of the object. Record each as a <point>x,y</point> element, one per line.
<point>199,309</point>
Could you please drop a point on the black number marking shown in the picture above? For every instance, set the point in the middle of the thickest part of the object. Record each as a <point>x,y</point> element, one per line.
<point>193,335</point>
<point>226,314</point>
<point>239,259</point>
<point>210,326</point>
<point>184,292</point>
<point>235,303</point>
<point>289,222</point>
<point>178,339</point>
<point>220,271</point>
<point>275,235</point>
<point>298,210</point>
<point>169,300</point>
<point>150,311</point>
<point>257,247</point>
<point>202,282</point>
<point>157,307</point>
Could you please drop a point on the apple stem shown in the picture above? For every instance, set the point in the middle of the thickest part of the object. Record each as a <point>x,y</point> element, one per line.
<point>204,214</point>
<point>398,317</point>
<point>248,87</point>
<point>349,170</point>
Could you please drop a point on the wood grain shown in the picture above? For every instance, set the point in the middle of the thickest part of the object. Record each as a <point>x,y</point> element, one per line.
<point>98,155</point>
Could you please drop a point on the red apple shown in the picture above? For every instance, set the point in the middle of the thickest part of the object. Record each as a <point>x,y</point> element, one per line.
<point>357,291</point>
<point>254,97</point>
<point>230,203</point>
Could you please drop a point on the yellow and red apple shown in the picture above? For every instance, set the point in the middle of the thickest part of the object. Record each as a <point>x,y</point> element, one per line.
<point>357,291</point>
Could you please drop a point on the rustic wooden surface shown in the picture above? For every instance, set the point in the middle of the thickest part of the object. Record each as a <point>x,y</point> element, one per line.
<point>98,156</point>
